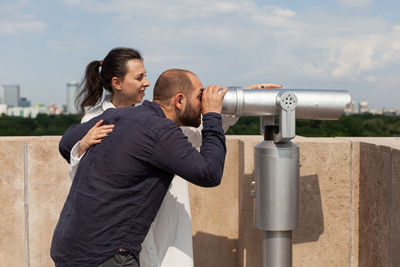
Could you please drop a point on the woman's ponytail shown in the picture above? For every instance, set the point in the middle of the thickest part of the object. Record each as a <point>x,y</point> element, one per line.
<point>92,88</point>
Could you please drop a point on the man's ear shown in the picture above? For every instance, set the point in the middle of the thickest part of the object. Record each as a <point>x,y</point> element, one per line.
<point>179,101</point>
<point>116,83</point>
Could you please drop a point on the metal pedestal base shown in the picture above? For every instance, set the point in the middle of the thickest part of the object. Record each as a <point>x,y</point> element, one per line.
<point>277,249</point>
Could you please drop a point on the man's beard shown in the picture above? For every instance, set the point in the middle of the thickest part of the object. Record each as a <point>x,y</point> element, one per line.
<point>189,117</point>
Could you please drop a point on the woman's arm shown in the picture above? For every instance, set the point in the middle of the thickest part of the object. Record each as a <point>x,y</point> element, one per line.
<point>92,137</point>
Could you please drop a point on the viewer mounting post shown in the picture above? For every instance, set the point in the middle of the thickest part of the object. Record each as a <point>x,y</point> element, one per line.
<point>277,157</point>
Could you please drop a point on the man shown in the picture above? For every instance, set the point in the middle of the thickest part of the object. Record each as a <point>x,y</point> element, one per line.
<point>121,182</point>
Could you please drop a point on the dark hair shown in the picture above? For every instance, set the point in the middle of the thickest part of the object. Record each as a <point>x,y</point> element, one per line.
<point>95,79</point>
<point>172,82</point>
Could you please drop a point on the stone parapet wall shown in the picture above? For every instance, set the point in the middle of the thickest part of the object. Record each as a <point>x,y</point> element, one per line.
<point>349,204</point>
<point>34,184</point>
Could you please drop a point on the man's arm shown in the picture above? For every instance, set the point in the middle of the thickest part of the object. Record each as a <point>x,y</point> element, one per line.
<point>173,153</point>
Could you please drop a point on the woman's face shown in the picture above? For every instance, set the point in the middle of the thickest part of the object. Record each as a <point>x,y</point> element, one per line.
<point>133,85</point>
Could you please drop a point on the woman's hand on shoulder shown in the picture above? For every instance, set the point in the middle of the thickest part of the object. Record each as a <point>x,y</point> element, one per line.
<point>94,136</point>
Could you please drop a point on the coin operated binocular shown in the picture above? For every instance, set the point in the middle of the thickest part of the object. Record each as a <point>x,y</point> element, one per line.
<point>277,157</point>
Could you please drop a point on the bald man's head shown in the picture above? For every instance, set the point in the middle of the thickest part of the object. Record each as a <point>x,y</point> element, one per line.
<point>171,82</point>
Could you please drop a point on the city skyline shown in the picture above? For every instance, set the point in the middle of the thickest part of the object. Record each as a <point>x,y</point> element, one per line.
<point>72,89</point>
<point>336,44</point>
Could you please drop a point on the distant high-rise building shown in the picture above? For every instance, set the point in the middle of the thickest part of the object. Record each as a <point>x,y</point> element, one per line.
<point>11,95</point>
<point>363,107</point>
<point>3,109</point>
<point>24,102</point>
<point>1,95</point>
<point>72,91</point>
<point>350,108</point>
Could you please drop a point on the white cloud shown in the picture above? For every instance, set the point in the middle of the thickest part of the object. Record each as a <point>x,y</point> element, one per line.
<point>18,27</point>
<point>353,55</point>
<point>180,10</point>
<point>14,21</point>
<point>259,39</point>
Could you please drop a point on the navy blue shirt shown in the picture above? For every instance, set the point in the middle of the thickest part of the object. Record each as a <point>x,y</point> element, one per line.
<point>121,182</point>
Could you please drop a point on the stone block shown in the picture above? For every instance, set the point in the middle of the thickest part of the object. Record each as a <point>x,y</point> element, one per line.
<point>250,238</point>
<point>13,246</point>
<point>395,203</point>
<point>355,204</point>
<point>48,186</point>
<point>374,201</point>
<point>323,238</point>
<point>324,204</point>
<point>214,216</point>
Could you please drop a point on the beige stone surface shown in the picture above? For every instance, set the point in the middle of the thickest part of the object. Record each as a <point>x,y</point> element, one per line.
<point>393,142</point>
<point>250,238</point>
<point>12,212</point>
<point>354,204</point>
<point>375,199</point>
<point>395,207</point>
<point>349,204</point>
<point>48,187</point>
<point>323,238</point>
<point>354,198</point>
<point>214,217</point>
<point>325,194</point>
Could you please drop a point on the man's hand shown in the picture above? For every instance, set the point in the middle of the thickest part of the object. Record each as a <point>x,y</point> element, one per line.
<point>264,86</point>
<point>212,99</point>
<point>94,136</point>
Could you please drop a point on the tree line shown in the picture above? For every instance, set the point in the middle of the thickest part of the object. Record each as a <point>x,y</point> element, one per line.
<point>348,125</point>
<point>43,124</point>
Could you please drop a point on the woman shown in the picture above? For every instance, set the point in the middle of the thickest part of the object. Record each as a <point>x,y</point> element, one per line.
<point>117,81</point>
<point>123,77</point>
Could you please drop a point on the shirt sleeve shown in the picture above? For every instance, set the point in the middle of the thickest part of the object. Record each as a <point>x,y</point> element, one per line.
<point>75,159</point>
<point>228,121</point>
<point>173,153</point>
<point>194,134</point>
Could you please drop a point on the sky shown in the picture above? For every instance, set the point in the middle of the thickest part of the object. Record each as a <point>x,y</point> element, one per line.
<point>349,45</point>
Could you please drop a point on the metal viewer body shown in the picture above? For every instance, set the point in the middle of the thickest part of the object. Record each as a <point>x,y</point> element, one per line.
<point>277,167</point>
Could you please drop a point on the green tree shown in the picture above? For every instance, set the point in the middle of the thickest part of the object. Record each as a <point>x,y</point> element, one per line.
<point>42,125</point>
<point>351,125</point>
